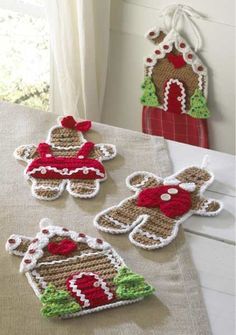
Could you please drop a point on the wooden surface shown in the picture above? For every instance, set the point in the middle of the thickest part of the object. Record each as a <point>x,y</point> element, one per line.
<point>130,20</point>
<point>212,240</point>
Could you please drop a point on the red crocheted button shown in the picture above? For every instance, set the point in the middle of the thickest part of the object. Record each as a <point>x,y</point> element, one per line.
<point>11,241</point>
<point>166,47</point>
<point>31,251</point>
<point>45,231</point>
<point>99,241</point>
<point>190,56</point>
<point>182,45</point>
<point>65,229</point>
<point>200,68</point>
<point>149,60</point>
<point>157,52</point>
<point>27,261</point>
<point>35,240</point>
<point>152,33</point>
<point>81,235</point>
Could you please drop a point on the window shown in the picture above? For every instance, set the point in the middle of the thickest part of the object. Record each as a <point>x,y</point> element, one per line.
<point>24,53</point>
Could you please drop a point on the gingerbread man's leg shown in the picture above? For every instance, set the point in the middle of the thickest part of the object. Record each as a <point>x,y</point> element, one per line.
<point>82,188</point>
<point>47,189</point>
<point>156,230</point>
<point>119,219</point>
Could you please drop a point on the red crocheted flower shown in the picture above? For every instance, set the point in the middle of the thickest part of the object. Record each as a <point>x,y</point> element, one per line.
<point>173,201</point>
<point>64,247</point>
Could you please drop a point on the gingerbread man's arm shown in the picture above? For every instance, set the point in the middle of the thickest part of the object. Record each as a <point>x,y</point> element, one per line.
<point>18,244</point>
<point>202,179</point>
<point>142,179</point>
<point>26,152</point>
<point>104,151</point>
<point>206,207</point>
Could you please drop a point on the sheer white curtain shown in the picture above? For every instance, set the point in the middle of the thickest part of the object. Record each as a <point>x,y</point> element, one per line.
<point>79,46</point>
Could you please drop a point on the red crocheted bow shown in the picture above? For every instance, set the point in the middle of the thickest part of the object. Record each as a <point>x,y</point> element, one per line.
<point>69,122</point>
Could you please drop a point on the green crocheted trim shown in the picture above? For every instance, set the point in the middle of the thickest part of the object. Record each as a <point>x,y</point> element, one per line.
<point>57,302</point>
<point>149,97</point>
<point>131,285</point>
<point>198,106</point>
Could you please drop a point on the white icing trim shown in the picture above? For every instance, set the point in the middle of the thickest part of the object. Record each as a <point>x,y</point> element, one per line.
<point>40,279</point>
<point>142,219</point>
<point>144,173</point>
<point>24,158</point>
<point>101,308</point>
<point>78,292</point>
<point>167,91</point>
<point>65,171</point>
<point>106,154</point>
<point>10,247</point>
<point>43,240</point>
<point>34,187</point>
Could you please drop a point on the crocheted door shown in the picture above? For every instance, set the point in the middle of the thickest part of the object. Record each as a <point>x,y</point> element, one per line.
<point>175,91</point>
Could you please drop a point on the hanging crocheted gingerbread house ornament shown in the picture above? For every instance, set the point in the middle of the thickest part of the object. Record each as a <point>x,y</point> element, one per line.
<point>175,84</point>
<point>65,159</point>
<point>93,276</point>
<point>152,216</point>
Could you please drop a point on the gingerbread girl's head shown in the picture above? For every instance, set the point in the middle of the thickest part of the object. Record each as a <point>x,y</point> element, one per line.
<point>69,134</point>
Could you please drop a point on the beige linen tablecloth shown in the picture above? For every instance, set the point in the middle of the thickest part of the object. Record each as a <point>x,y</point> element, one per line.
<point>176,308</point>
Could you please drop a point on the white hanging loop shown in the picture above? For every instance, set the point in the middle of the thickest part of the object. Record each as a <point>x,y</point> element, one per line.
<point>205,162</point>
<point>176,12</point>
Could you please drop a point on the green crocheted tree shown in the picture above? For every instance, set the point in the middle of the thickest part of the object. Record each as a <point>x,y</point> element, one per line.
<point>130,285</point>
<point>149,97</point>
<point>198,107</point>
<point>57,302</point>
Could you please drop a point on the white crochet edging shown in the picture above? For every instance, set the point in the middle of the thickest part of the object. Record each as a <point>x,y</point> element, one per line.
<point>101,308</point>
<point>142,219</point>
<point>43,240</point>
<point>182,98</point>
<point>106,154</point>
<point>85,196</point>
<point>174,39</point>
<point>27,148</point>
<point>10,247</point>
<point>146,175</point>
<point>111,230</point>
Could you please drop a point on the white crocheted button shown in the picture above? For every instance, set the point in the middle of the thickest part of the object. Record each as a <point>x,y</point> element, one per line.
<point>81,157</point>
<point>96,284</point>
<point>43,171</point>
<point>65,170</point>
<point>165,197</point>
<point>172,191</point>
<point>85,171</point>
<point>48,155</point>
<point>179,98</point>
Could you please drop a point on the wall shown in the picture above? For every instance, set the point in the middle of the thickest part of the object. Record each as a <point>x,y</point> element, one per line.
<point>130,20</point>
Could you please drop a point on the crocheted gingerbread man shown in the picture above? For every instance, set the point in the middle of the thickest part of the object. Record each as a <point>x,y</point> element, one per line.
<point>154,213</point>
<point>66,159</point>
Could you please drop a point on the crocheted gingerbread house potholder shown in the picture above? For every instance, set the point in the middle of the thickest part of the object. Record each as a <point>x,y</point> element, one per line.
<point>152,216</point>
<point>65,159</point>
<point>74,274</point>
<point>175,86</point>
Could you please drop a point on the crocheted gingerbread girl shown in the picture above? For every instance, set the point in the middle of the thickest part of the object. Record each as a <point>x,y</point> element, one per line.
<point>66,159</point>
<point>154,213</point>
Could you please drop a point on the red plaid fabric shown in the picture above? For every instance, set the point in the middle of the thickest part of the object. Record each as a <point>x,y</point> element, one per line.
<point>180,128</point>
